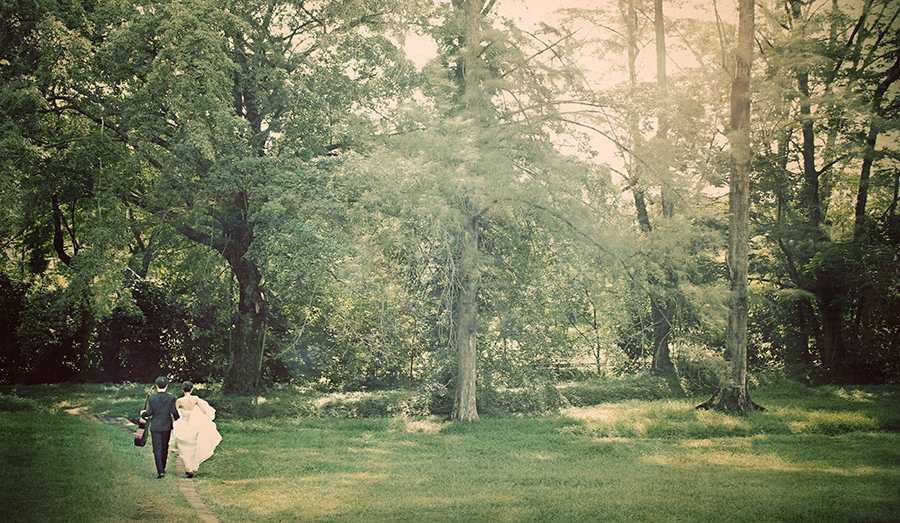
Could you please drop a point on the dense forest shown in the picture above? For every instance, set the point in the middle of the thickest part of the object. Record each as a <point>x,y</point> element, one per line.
<point>454,196</point>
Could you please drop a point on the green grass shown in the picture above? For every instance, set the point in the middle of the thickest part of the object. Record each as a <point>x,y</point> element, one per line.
<point>825,454</point>
<point>58,467</point>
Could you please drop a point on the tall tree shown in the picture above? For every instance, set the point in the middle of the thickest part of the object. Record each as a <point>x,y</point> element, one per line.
<point>464,180</point>
<point>465,407</point>
<point>209,102</point>
<point>666,156</point>
<point>733,393</point>
<point>62,220</point>
<point>662,303</point>
<point>830,66</point>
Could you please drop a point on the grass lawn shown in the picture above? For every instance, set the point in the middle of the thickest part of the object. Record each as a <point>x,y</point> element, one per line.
<point>817,455</point>
<point>58,467</point>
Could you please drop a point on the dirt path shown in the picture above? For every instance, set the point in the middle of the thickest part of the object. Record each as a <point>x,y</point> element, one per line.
<point>185,485</point>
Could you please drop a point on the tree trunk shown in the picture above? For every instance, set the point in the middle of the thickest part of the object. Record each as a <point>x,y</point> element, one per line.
<point>245,369</point>
<point>798,359</point>
<point>810,175</point>
<point>732,394</point>
<point>249,326</point>
<point>465,408</point>
<point>832,345</point>
<point>862,193</point>
<point>662,311</point>
<point>662,306</point>
<point>250,323</point>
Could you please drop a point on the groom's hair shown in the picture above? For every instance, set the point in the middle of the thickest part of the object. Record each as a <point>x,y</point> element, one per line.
<point>162,382</point>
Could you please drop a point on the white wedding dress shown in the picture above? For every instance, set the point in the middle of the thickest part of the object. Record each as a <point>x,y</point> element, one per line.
<point>196,435</point>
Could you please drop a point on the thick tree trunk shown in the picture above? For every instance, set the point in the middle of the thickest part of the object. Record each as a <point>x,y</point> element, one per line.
<point>245,369</point>
<point>798,359</point>
<point>661,308</point>
<point>465,407</point>
<point>250,323</point>
<point>733,394</point>
<point>831,344</point>
<point>662,311</point>
<point>810,174</point>
<point>248,340</point>
<point>731,398</point>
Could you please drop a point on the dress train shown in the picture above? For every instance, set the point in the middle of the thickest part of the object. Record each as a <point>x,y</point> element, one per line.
<point>196,435</point>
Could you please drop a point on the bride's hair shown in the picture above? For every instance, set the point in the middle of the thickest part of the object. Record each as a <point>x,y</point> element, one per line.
<point>187,386</point>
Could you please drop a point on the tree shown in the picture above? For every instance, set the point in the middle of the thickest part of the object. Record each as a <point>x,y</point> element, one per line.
<point>214,100</point>
<point>828,70</point>
<point>732,394</point>
<point>666,142</point>
<point>467,319</point>
<point>463,178</point>
<point>63,224</point>
<point>12,299</point>
<point>663,306</point>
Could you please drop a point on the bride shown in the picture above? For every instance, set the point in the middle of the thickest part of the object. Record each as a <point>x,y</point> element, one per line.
<point>195,432</point>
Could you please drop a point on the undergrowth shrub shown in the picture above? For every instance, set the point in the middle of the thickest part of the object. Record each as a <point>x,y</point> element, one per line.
<point>643,386</point>
<point>246,407</point>
<point>350,405</point>
<point>543,396</point>
<point>12,403</point>
<point>699,369</point>
<point>439,400</point>
<point>424,401</point>
<point>539,399</point>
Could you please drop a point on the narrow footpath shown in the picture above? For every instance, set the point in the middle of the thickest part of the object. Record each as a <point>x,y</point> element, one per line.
<point>185,484</point>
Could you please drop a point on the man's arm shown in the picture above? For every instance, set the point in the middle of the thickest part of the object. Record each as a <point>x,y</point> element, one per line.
<point>149,412</point>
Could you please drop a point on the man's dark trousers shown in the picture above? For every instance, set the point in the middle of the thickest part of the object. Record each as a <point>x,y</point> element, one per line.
<point>161,408</point>
<point>160,448</point>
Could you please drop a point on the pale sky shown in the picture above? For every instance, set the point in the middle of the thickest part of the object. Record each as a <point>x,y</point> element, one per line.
<point>529,13</point>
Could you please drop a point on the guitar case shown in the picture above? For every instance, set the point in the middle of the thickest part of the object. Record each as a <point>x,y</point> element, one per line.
<point>140,436</point>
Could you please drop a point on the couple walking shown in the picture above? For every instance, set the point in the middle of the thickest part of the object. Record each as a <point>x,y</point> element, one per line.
<point>193,427</point>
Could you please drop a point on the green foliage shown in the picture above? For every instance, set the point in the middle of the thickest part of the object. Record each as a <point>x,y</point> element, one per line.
<point>12,303</point>
<point>351,405</point>
<point>250,408</point>
<point>822,248</point>
<point>51,327</point>
<point>700,370</point>
<point>188,118</point>
<point>161,333</point>
<point>542,398</point>
<point>303,194</point>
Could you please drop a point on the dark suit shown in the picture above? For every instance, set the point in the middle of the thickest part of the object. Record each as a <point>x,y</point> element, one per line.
<point>161,407</point>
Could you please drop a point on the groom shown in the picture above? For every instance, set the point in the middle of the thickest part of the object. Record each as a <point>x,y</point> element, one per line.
<point>161,407</point>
